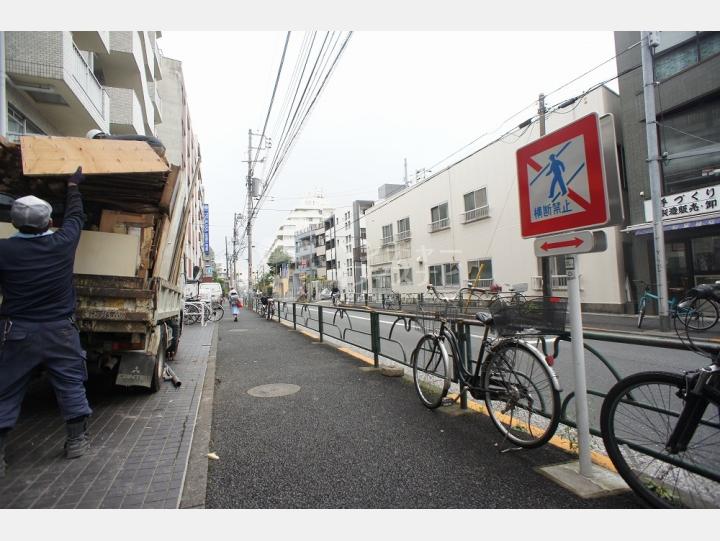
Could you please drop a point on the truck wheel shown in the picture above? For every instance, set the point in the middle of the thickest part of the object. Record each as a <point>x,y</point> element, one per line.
<point>160,359</point>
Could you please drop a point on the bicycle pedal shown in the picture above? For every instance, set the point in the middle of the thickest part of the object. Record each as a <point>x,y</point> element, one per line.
<point>448,401</point>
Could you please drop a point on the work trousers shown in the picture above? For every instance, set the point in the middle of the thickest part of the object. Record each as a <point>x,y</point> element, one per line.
<point>25,345</point>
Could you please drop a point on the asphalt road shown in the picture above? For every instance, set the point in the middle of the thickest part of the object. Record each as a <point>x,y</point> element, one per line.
<point>353,438</point>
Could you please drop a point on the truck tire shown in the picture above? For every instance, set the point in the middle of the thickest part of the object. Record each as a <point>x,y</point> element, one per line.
<point>160,359</point>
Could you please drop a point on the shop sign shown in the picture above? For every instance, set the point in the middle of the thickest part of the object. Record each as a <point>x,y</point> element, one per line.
<point>693,202</point>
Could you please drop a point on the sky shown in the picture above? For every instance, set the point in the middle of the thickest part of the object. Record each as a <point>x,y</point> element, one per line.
<point>393,95</point>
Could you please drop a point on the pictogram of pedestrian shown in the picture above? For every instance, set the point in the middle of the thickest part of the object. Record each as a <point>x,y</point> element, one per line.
<point>557,168</point>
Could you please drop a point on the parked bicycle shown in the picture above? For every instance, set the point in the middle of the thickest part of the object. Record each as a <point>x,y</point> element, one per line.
<point>195,309</point>
<point>698,315</point>
<point>662,430</point>
<point>520,390</point>
<point>391,301</point>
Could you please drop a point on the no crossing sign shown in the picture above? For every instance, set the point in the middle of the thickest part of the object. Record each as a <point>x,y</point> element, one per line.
<point>561,180</point>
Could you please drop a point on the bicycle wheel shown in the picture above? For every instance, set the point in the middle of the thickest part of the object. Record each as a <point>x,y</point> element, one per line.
<point>191,314</point>
<point>637,418</point>
<point>430,370</point>
<point>641,311</point>
<point>519,394</point>
<point>699,315</point>
<point>218,312</point>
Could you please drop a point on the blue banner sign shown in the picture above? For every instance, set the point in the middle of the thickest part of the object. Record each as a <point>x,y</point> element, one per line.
<point>206,234</point>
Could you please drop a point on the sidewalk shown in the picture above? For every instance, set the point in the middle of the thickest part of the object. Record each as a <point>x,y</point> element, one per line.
<point>139,442</point>
<point>299,424</point>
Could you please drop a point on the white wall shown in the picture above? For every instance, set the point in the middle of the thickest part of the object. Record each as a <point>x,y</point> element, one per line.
<point>496,237</point>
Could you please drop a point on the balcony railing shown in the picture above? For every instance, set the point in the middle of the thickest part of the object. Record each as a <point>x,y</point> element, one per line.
<point>403,235</point>
<point>559,281</point>
<point>84,76</point>
<point>476,214</point>
<point>387,241</point>
<point>439,225</point>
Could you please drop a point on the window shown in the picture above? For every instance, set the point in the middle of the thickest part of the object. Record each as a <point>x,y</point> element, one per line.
<point>435,272</point>
<point>700,47</point>
<point>439,217</point>
<point>363,233</point>
<point>18,124</point>
<point>452,274</point>
<point>380,278</point>
<point>557,265</point>
<point>480,272</point>
<point>387,234</point>
<point>405,276</point>
<point>403,227</point>
<point>702,120</point>
<point>476,206</point>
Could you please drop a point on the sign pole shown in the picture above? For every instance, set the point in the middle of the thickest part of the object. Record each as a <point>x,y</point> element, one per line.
<point>578,352</point>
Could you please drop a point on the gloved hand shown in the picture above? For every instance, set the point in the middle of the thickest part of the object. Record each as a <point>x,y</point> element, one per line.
<point>76,178</point>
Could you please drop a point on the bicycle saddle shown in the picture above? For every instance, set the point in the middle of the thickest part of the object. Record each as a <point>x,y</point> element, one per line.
<point>484,318</point>
<point>706,291</point>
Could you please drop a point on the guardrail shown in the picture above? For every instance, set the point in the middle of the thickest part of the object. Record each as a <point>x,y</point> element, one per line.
<point>400,331</point>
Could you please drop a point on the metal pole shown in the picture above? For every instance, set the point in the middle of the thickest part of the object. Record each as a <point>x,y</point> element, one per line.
<point>578,353</point>
<point>3,95</point>
<point>249,209</point>
<point>544,261</point>
<point>655,178</point>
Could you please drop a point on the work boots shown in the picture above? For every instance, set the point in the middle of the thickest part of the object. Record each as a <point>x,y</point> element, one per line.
<point>77,441</point>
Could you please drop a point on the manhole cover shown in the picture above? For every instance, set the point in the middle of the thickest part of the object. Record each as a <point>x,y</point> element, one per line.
<point>274,389</point>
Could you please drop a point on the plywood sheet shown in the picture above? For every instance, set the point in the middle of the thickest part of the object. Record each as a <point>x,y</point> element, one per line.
<point>43,155</point>
<point>105,254</point>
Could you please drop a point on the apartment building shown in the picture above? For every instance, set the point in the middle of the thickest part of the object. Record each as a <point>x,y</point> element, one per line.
<point>462,225</point>
<point>346,248</point>
<point>311,210</point>
<point>183,150</point>
<point>687,76</point>
<point>68,83</point>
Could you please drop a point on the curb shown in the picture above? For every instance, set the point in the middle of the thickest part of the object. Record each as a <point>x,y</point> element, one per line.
<point>195,486</point>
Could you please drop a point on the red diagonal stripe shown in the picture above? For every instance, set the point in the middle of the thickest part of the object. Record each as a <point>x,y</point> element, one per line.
<point>535,165</point>
<point>578,199</point>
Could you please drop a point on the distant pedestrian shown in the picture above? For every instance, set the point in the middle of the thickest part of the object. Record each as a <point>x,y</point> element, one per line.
<point>557,168</point>
<point>37,325</point>
<point>314,294</point>
<point>235,303</point>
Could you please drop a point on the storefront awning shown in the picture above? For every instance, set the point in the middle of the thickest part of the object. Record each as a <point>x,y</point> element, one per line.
<point>646,228</point>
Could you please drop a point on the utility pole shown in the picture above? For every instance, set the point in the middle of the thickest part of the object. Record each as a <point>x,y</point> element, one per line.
<point>544,261</point>
<point>648,41</point>
<point>250,208</point>
<point>227,265</point>
<point>3,95</point>
<point>407,183</point>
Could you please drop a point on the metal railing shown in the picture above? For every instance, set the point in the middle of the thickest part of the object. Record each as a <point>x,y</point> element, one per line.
<point>438,225</point>
<point>403,235</point>
<point>476,214</point>
<point>559,281</point>
<point>84,76</point>
<point>386,241</point>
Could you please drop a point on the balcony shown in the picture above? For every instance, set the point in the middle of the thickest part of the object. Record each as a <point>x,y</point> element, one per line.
<point>320,250</point>
<point>97,42</point>
<point>439,225</point>
<point>51,70</point>
<point>360,254</point>
<point>403,235</point>
<point>386,241</point>
<point>474,215</point>
<point>126,116</point>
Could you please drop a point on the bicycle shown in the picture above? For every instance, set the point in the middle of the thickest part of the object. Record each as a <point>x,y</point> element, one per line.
<point>270,309</point>
<point>392,301</point>
<point>335,297</point>
<point>699,315</point>
<point>662,430</point>
<point>212,311</point>
<point>520,391</point>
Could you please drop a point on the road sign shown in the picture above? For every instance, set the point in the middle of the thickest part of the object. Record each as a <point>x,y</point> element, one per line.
<point>577,242</point>
<point>561,180</point>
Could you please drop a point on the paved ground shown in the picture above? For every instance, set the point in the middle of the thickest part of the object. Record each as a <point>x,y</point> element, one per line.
<point>353,438</point>
<point>140,443</point>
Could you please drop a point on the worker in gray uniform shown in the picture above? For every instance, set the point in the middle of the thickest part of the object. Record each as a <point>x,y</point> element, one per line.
<point>37,325</point>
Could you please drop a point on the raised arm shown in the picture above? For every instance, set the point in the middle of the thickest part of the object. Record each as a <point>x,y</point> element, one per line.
<point>74,217</point>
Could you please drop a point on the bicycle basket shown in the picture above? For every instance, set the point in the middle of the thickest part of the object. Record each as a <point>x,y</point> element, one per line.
<point>534,316</point>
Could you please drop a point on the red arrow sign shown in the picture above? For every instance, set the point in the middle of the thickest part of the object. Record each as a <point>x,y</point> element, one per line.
<point>563,244</point>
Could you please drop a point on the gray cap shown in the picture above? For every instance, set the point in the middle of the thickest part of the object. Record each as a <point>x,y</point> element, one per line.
<point>30,211</point>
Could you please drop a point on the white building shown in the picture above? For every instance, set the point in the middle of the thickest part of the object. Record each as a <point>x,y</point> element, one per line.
<point>310,211</point>
<point>464,221</point>
<point>67,83</point>
<point>345,248</point>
